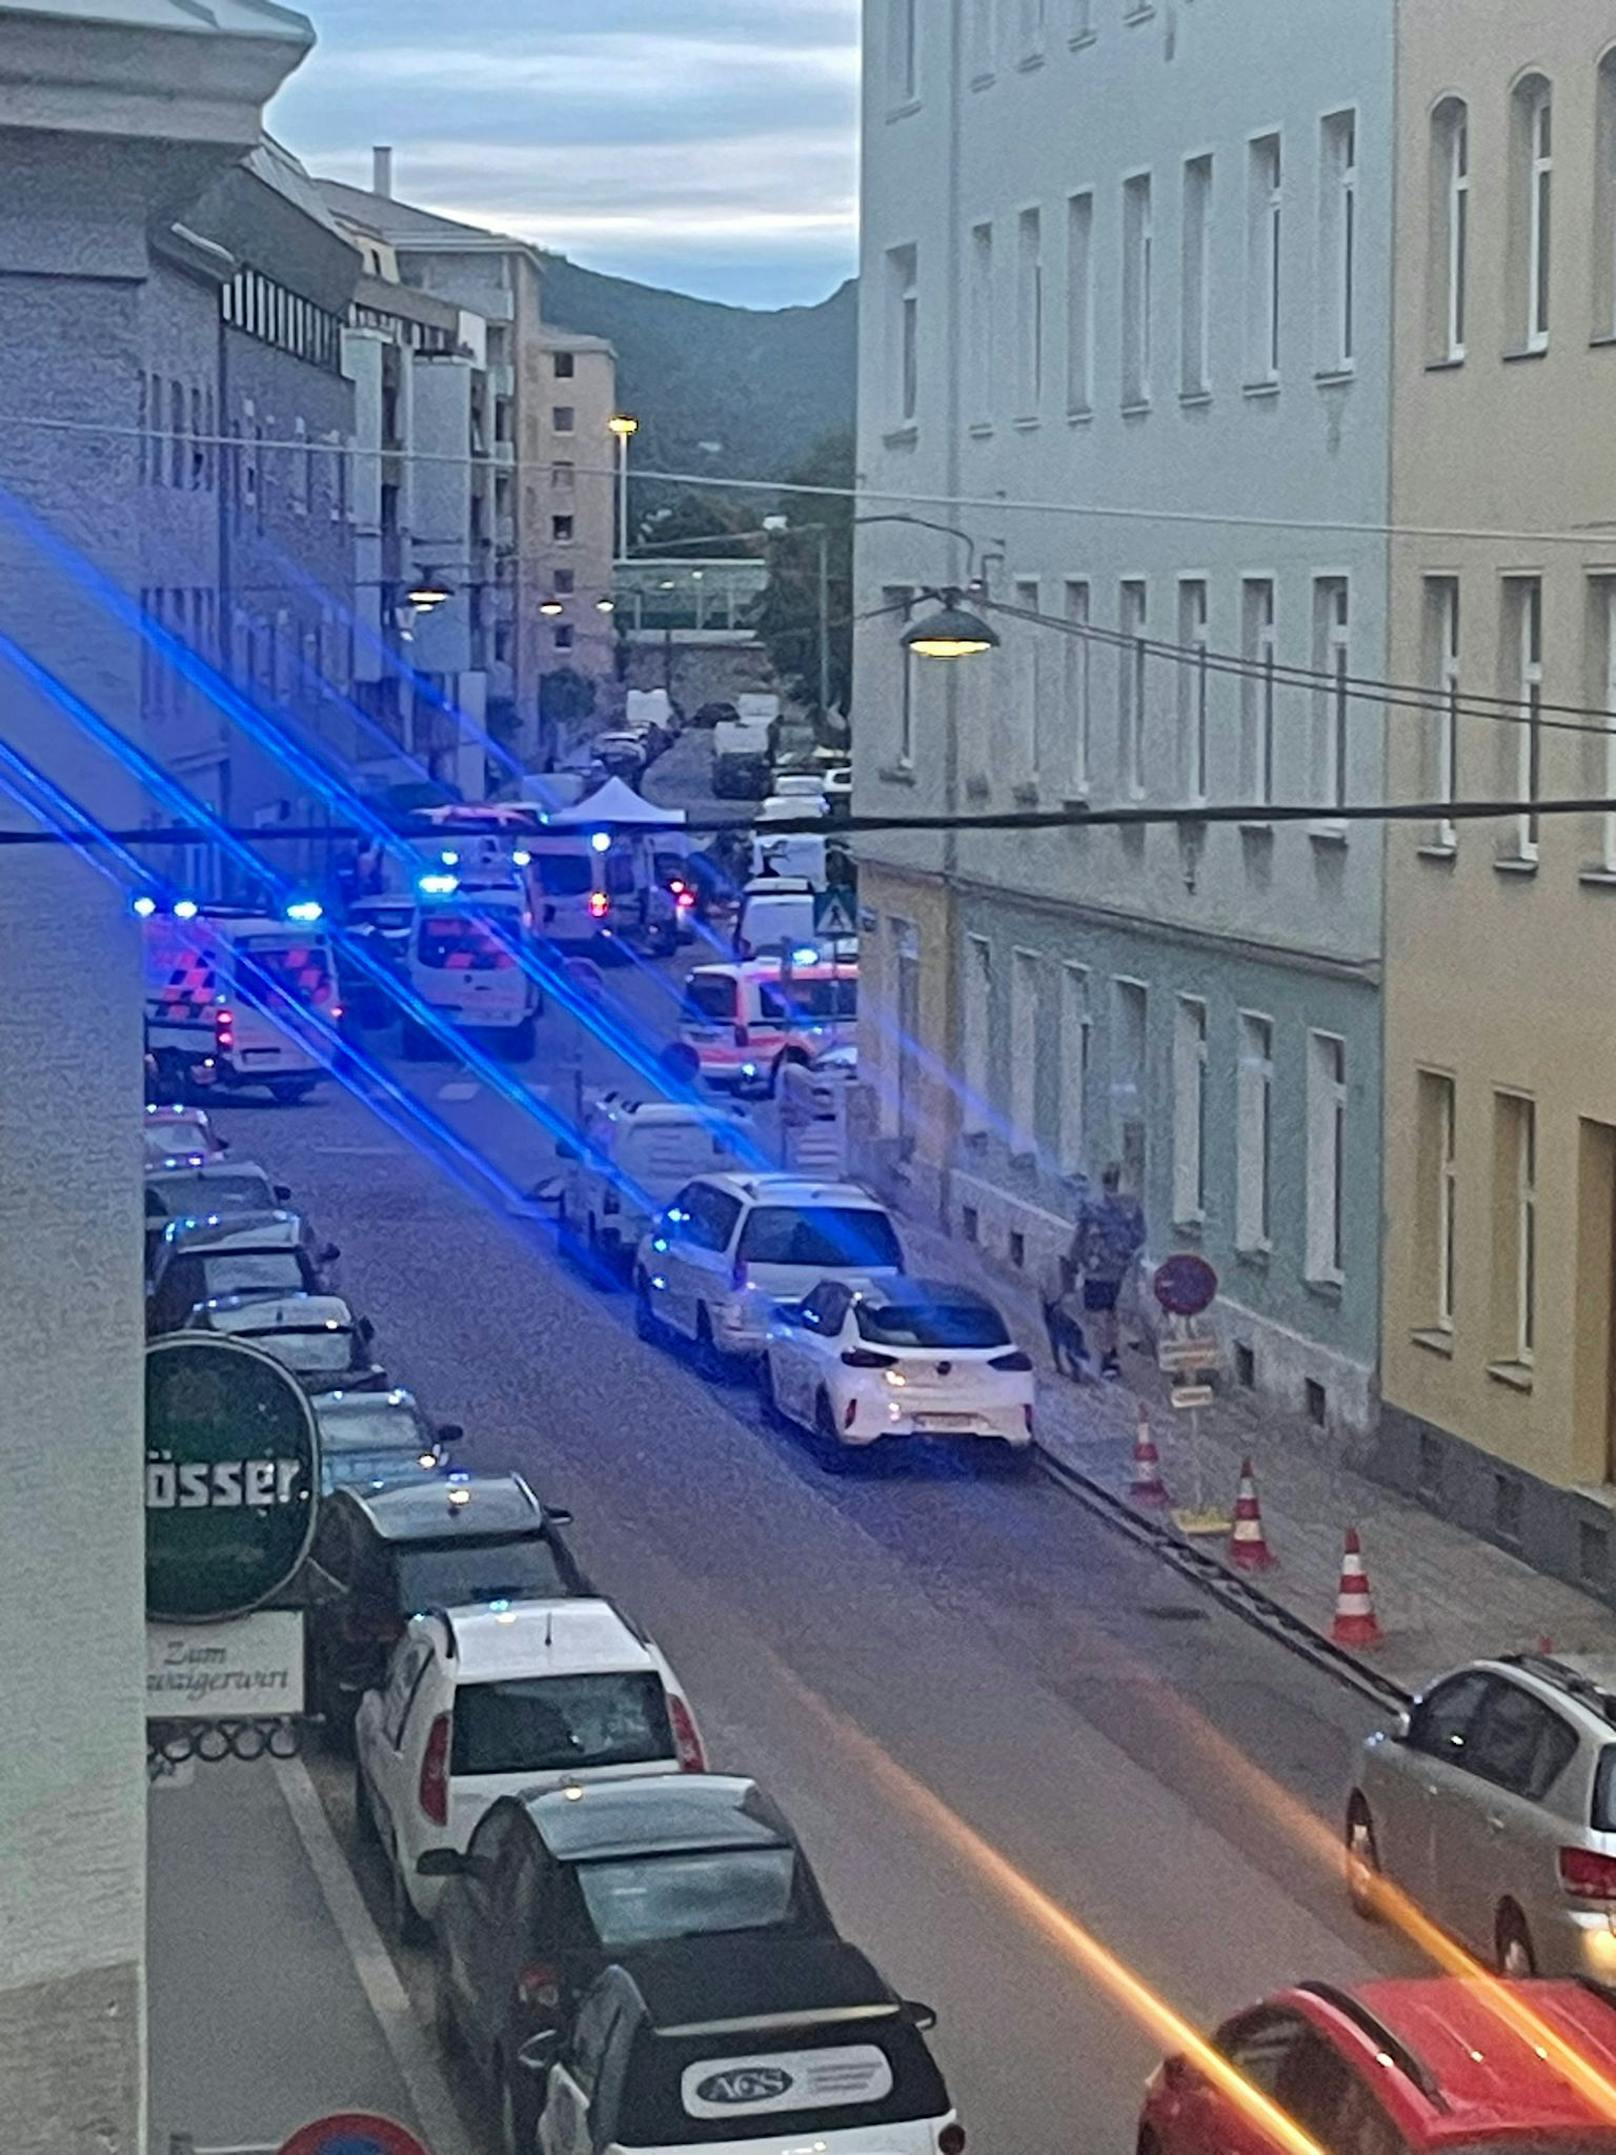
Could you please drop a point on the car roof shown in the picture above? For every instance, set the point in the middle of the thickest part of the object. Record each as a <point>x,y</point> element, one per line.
<point>675,1114</point>
<point>793,1190</point>
<point>334,1408</point>
<point>906,1293</point>
<point>541,1638</point>
<point>691,1983</point>
<point>646,1813</point>
<point>241,1231</point>
<point>460,1506</point>
<point>181,1171</point>
<point>279,1313</point>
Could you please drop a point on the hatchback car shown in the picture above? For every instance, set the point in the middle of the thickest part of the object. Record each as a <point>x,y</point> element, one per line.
<point>1392,2068</point>
<point>318,1337</point>
<point>908,1358</point>
<point>730,1247</point>
<point>377,1436</point>
<point>266,1253</point>
<point>1492,1804</point>
<point>758,2044</point>
<point>381,1555</point>
<point>504,1699</point>
<point>553,1886</point>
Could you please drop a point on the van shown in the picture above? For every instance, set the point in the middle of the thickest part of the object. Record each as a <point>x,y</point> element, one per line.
<point>634,1155</point>
<point>777,913</point>
<point>252,996</point>
<point>744,1022</point>
<point>597,901</point>
<point>466,965</point>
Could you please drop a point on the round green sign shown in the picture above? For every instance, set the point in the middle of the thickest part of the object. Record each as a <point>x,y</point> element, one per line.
<point>232,1478</point>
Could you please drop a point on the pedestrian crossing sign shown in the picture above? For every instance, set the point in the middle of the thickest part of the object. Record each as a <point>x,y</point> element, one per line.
<point>833,914</point>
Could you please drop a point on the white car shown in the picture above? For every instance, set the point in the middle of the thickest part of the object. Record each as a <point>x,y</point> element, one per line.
<point>730,1247</point>
<point>318,1337</point>
<point>507,1698</point>
<point>908,1358</point>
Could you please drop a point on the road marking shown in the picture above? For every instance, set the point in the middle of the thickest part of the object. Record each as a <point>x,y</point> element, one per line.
<point>458,1089</point>
<point>411,2047</point>
<point>355,1152</point>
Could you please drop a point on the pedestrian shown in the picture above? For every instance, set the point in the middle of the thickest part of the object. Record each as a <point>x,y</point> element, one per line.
<point>1109,1236</point>
<point>1068,1348</point>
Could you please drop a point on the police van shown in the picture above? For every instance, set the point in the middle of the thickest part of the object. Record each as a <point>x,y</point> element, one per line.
<point>471,962</point>
<point>634,1158</point>
<point>745,1022</point>
<point>249,998</point>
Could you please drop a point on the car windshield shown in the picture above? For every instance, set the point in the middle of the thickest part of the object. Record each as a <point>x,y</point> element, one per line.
<point>318,1350</point>
<point>379,1425</point>
<point>346,1470</point>
<point>559,1724</point>
<point>514,1569</point>
<point>252,1272</point>
<point>800,1002</point>
<point>392,920</point>
<point>931,1324</point>
<point>563,875</point>
<point>834,1237</point>
<point>301,971</point>
<point>460,943</point>
<point>849,2079</point>
<point>710,998</point>
<point>685,1896</point>
<point>194,1199</point>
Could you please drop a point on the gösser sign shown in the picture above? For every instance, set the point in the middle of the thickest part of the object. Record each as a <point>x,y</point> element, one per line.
<point>232,1478</point>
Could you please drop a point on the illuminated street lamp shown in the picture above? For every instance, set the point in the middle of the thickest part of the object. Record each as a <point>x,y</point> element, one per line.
<point>428,590</point>
<point>550,608</point>
<point>952,632</point>
<point>624,427</point>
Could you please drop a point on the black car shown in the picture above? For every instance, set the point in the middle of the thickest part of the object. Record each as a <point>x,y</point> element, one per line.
<point>383,1555</point>
<point>382,928</point>
<point>262,1253</point>
<point>554,1885</point>
<point>183,1189</point>
<point>379,1437</point>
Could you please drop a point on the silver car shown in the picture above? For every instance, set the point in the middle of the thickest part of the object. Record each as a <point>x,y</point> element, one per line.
<point>1492,1805</point>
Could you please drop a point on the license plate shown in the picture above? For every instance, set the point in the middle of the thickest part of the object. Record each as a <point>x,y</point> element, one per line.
<point>945,1421</point>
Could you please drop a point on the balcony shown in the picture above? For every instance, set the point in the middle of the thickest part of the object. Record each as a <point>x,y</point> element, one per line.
<point>501,378</point>
<point>504,452</point>
<point>505,533</point>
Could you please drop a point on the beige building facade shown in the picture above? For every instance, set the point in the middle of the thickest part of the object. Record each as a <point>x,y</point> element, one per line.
<point>1498,1352</point>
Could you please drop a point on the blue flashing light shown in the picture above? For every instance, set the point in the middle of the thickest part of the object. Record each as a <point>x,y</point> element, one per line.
<point>438,886</point>
<point>450,859</point>
<point>806,956</point>
<point>143,907</point>
<point>658,1281</point>
<point>749,1069</point>
<point>659,1244</point>
<point>186,909</point>
<point>521,858</point>
<point>498,1608</point>
<point>601,841</point>
<point>305,909</point>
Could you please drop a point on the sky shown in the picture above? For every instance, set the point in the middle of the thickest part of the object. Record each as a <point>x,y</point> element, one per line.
<point>707,145</point>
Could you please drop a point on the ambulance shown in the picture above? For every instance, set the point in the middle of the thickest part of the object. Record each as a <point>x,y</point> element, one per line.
<point>245,997</point>
<point>471,961</point>
<point>746,1022</point>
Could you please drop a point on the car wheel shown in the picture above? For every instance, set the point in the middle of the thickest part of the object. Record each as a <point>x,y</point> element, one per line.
<point>1363,1860</point>
<point>288,1091</point>
<point>768,1398</point>
<point>411,1927</point>
<point>1513,1945</point>
<point>364,1814</point>
<point>517,2127</point>
<point>705,1354</point>
<point>834,1455</point>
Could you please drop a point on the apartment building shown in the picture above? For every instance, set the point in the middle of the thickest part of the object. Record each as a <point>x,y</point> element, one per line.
<point>1500,1072</point>
<point>1127,317</point>
<point>573,490</point>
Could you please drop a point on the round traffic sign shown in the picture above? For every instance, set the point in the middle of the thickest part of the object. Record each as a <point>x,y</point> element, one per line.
<point>232,1477</point>
<point>353,2133</point>
<point>1185,1285</point>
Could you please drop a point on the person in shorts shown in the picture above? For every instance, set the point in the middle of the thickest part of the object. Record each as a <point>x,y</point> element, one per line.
<point>1110,1234</point>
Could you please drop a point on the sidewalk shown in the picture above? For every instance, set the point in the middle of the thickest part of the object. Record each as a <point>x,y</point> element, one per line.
<point>1442,1595</point>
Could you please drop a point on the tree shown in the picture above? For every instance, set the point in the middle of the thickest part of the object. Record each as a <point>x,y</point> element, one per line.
<point>788,614</point>
<point>693,515</point>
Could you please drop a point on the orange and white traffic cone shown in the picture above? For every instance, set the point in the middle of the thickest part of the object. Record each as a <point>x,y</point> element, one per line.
<point>1147,1486</point>
<point>1248,1544</point>
<point>1356,1623</point>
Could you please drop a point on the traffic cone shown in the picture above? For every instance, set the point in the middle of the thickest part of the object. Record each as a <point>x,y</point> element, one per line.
<point>1248,1544</point>
<point>1147,1486</point>
<point>1356,1623</point>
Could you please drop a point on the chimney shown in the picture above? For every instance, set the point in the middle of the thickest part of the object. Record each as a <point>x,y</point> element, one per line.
<point>381,171</point>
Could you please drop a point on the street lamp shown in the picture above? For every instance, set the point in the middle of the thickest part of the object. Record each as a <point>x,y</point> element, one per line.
<point>428,590</point>
<point>551,608</point>
<point>624,427</point>
<point>952,632</point>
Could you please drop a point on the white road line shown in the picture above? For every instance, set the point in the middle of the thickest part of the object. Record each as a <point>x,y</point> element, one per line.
<point>411,2046</point>
<point>458,1089</point>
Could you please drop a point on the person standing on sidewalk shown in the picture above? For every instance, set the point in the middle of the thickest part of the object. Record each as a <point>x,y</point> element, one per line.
<point>1109,1236</point>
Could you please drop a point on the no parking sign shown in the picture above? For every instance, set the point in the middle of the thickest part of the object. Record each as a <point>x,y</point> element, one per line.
<point>353,2133</point>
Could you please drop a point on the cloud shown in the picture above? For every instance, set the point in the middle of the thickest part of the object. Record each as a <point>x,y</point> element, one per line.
<point>710,145</point>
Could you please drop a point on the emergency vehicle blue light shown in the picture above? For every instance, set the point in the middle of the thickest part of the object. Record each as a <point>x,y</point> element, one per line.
<point>450,860</point>
<point>186,909</point>
<point>438,886</point>
<point>305,909</point>
<point>144,907</point>
<point>602,841</point>
<point>521,859</point>
<point>806,956</point>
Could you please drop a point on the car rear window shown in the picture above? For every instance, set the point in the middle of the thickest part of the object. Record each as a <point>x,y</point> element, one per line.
<point>671,2077</point>
<point>563,875</point>
<point>512,1569</point>
<point>321,1352</point>
<point>380,1427</point>
<point>710,999</point>
<point>219,1193</point>
<point>460,943</point>
<point>1604,1812</point>
<point>933,1324</point>
<point>301,971</point>
<point>253,1271</point>
<point>557,1724</point>
<point>639,1900</point>
<point>835,1237</point>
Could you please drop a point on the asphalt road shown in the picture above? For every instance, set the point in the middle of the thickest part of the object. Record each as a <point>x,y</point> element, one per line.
<point>987,1714</point>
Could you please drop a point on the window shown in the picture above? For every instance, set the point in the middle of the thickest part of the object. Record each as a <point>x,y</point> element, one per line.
<point>1524,610</point>
<point>1024,972</point>
<point>563,475</point>
<point>1605,200</point>
<point>300,469</point>
<point>1076,1032</point>
<point>981,385</point>
<point>1027,695</point>
<point>895,597</point>
<point>984,38</point>
<point>563,365</point>
<point>561,530</point>
<point>1533,130</point>
<point>196,466</point>
<point>1264,223</point>
<point>1515,1229</point>
<point>977,1020</point>
<point>1338,240</point>
<point>903,301</point>
<point>1437,1178</point>
<point>1259,656</point>
<point>1193,678</point>
<point>1080,304</point>
<point>1195,330</point>
<point>1441,1723</point>
<point>1137,249</point>
<point>563,418</point>
<point>1604,600</point>
<point>1442,645</point>
<point>1131,658</point>
<point>1333,664</point>
<point>1326,1156</point>
<point>1254,1134</point>
<point>1189,1113</point>
<point>903,51</point>
<point>1518,1742</point>
<point>1450,227</point>
<point>1077,687</point>
<point>565,582</point>
<point>1130,1020</point>
<point>1029,314</point>
<point>563,636</point>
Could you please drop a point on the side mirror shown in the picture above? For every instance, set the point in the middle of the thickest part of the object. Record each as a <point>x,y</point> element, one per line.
<point>283,1193</point>
<point>557,1515</point>
<point>366,1330</point>
<point>441,1863</point>
<point>538,2053</point>
<point>450,1432</point>
<point>918,2015</point>
<point>329,1254</point>
<point>1400,1728</point>
<point>564,1151</point>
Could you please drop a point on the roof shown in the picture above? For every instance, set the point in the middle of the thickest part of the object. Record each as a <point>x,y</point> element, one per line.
<point>275,165</point>
<point>178,1171</point>
<point>575,340</point>
<point>544,1638</point>
<point>795,1190</point>
<point>242,1231</point>
<point>227,18</point>
<point>335,1409</point>
<point>614,802</point>
<point>459,1507</point>
<point>404,226</point>
<point>647,1813</point>
<point>671,1114</point>
<point>687,1982</point>
<point>252,1313</point>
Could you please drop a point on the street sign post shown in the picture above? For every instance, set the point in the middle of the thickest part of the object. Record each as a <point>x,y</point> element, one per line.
<point>834,914</point>
<point>353,2133</point>
<point>1186,1286</point>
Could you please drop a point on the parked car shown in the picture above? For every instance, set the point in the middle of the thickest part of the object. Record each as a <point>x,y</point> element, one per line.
<point>744,1022</point>
<point>205,1190</point>
<point>633,1156</point>
<point>861,1367</point>
<point>376,1436</point>
<point>1492,1804</point>
<point>383,928</point>
<point>552,1887</point>
<point>318,1337</point>
<point>507,1698</point>
<point>184,1134</point>
<point>380,1555</point>
<point>267,1253</point>
<point>755,2043</point>
<point>731,1246</point>
<point>1395,2067</point>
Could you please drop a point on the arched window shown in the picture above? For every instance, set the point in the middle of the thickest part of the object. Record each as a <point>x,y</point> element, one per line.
<point>1450,227</point>
<point>1532,209</point>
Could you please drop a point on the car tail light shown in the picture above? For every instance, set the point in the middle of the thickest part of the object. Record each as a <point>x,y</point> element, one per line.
<point>1588,1876</point>
<point>1017,1361</point>
<point>684,900</point>
<point>867,1358</point>
<point>336,1010</point>
<point>951,2140</point>
<point>538,1987</point>
<point>599,904</point>
<point>686,1743</point>
<point>434,1789</point>
<point>743,1038</point>
<point>224,1028</point>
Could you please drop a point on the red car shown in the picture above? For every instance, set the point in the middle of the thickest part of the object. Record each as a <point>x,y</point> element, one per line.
<point>1395,2067</point>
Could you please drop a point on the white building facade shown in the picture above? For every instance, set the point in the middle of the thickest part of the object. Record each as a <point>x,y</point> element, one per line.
<point>1126,324</point>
